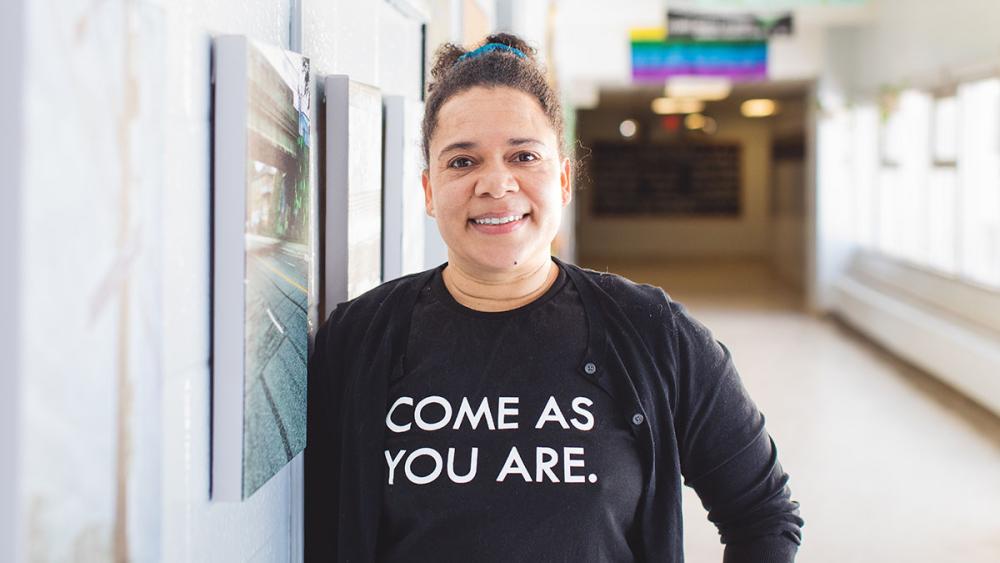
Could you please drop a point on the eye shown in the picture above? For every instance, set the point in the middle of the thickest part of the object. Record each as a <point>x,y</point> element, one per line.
<point>525,157</point>
<point>460,162</point>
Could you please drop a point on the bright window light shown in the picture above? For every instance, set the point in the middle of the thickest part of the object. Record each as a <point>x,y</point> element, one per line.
<point>924,183</point>
<point>833,171</point>
<point>887,237</point>
<point>942,198</point>
<point>946,129</point>
<point>864,171</point>
<point>979,181</point>
<point>914,161</point>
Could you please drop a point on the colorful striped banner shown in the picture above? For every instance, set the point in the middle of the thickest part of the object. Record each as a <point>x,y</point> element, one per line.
<point>659,60</point>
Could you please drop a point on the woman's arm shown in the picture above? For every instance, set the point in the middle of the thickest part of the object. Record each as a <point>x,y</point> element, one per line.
<point>322,467</point>
<point>726,454</point>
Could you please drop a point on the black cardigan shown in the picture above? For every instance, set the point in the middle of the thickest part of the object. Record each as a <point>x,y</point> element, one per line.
<point>688,409</point>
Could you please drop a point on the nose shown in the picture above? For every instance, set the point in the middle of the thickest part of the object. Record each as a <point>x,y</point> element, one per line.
<point>495,181</point>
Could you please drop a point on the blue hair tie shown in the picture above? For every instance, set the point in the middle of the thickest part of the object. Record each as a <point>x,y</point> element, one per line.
<point>489,47</point>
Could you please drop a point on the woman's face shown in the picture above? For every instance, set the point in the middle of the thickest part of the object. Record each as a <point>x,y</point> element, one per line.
<point>495,181</point>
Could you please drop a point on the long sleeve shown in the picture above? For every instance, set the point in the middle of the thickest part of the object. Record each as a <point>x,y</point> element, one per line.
<point>322,465</point>
<point>726,454</point>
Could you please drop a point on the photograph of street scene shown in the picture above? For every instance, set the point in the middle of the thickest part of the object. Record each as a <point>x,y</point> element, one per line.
<point>279,255</point>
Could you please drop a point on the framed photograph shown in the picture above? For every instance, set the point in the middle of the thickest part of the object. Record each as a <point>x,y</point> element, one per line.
<point>403,216</point>
<point>353,211</point>
<point>264,249</point>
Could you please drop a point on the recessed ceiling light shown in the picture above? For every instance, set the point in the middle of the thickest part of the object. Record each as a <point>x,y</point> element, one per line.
<point>667,106</point>
<point>628,128</point>
<point>695,121</point>
<point>758,108</point>
<point>706,88</point>
<point>701,122</point>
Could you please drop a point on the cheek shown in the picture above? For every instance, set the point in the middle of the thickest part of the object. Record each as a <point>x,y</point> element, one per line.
<point>548,193</point>
<point>450,199</point>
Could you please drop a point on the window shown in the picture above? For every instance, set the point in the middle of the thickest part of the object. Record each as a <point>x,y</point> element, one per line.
<point>865,165</point>
<point>905,168</point>
<point>942,188</point>
<point>979,180</point>
<point>924,179</point>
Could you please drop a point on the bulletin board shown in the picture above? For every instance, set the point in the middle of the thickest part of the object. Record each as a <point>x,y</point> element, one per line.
<point>666,179</point>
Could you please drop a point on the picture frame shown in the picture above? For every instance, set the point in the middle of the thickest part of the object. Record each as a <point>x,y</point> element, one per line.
<point>404,210</point>
<point>264,247</point>
<point>353,208</point>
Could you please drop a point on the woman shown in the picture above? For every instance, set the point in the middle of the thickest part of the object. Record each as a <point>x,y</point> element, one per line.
<point>507,406</point>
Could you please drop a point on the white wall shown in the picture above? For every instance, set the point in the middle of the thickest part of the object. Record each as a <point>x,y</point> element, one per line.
<point>591,44</point>
<point>912,40</point>
<point>788,244</point>
<point>12,124</point>
<point>92,244</point>
<point>113,270</point>
<point>192,526</point>
<point>529,19</point>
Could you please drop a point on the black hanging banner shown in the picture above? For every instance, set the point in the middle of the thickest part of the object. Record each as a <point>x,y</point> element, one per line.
<point>686,24</point>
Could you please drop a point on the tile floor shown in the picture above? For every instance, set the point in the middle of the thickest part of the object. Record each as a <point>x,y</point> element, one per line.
<point>888,464</point>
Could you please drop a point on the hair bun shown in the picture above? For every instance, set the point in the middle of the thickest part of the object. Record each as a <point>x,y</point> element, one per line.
<point>448,54</point>
<point>513,41</point>
<point>444,58</point>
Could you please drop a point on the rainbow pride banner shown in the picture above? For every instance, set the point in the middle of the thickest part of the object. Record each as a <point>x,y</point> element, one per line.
<point>656,57</point>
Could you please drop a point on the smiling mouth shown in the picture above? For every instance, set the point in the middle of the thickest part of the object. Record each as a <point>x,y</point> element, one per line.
<point>498,220</point>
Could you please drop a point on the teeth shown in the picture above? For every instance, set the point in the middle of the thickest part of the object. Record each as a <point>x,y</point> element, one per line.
<point>497,220</point>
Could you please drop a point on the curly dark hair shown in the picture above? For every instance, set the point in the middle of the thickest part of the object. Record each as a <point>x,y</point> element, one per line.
<point>497,68</point>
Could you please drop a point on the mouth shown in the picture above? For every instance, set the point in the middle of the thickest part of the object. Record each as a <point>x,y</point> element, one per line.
<point>492,219</point>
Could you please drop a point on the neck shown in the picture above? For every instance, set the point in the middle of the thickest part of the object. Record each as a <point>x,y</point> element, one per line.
<point>499,291</point>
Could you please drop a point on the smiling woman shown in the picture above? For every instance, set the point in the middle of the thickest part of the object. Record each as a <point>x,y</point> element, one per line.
<point>496,178</point>
<point>508,406</point>
<point>496,183</point>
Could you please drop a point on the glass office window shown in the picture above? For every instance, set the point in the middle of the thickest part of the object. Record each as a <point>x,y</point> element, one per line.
<point>914,162</point>
<point>887,219</point>
<point>924,180</point>
<point>942,188</point>
<point>865,169</point>
<point>834,190</point>
<point>946,129</point>
<point>942,192</point>
<point>906,161</point>
<point>979,181</point>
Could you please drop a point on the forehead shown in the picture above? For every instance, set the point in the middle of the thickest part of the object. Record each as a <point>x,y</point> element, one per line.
<point>481,114</point>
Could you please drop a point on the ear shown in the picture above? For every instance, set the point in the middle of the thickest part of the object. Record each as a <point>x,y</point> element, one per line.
<point>425,180</point>
<point>565,182</point>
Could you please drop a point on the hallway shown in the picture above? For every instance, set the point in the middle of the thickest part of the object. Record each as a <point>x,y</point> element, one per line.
<point>164,284</point>
<point>888,463</point>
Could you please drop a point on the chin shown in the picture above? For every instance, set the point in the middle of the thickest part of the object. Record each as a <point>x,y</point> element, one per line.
<point>502,263</point>
<point>496,260</point>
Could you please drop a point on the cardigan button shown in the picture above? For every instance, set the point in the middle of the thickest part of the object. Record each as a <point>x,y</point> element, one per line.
<point>590,368</point>
<point>637,419</point>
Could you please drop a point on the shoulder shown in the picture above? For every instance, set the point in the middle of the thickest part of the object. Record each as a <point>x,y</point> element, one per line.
<point>648,307</point>
<point>653,311</point>
<point>630,296</point>
<point>380,301</point>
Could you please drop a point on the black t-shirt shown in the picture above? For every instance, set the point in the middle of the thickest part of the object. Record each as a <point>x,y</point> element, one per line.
<point>557,474</point>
